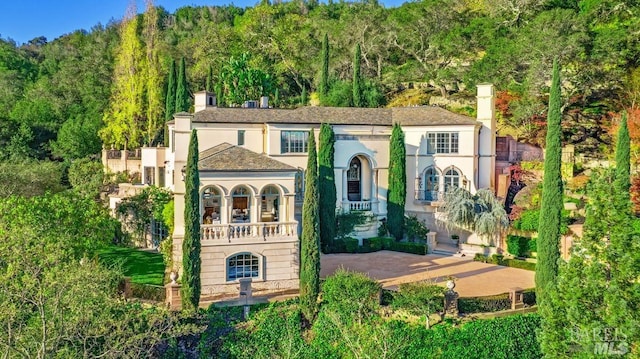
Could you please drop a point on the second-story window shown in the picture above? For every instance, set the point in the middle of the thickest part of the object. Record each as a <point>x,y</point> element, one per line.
<point>294,141</point>
<point>442,142</point>
<point>240,137</point>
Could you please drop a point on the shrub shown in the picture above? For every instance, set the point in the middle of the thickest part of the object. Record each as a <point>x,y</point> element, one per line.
<point>373,244</point>
<point>533,245</point>
<point>528,220</point>
<point>347,222</point>
<point>492,303</point>
<point>350,244</point>
<point>414,248</point>
<point>517,245</point>
<point>496,259</point>
<point>387,242</point>
<point>154,293</point>
<point>351,294</point>
<point>420,298</point>
<point>479,257</point>
<point>415,229</point>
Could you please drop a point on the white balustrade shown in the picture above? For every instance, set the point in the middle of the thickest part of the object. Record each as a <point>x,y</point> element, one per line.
<point>243,231</point>
<point>359,205</point>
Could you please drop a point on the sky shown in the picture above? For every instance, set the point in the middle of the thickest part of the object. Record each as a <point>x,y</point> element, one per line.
<point>23,20</point>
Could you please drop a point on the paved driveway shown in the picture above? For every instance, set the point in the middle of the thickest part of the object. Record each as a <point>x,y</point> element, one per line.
<point>393,268</point>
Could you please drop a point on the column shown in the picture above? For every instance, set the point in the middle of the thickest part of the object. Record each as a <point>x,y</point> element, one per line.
<point>345,202</point>
<point>374,192</point>
<point>225,210</point>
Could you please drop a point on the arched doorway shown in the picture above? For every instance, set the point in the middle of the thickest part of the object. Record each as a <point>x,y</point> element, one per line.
<point>269,204</point>
<point>210,200</point>
<point>431,187</point>
<point>240,211</point>
<point>354,175</point>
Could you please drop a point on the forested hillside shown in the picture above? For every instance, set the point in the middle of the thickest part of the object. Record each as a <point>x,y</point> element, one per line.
<point>66,98</point>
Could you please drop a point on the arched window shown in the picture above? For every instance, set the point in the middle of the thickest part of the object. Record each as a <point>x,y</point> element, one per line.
<point>269,203</point>
<point>451,179</point>
<point>210,205</point>
<point>431,186</point>
<point>299,185</point>
<point>241,205</point>
<point>243,265</point>
<point>353,180</point>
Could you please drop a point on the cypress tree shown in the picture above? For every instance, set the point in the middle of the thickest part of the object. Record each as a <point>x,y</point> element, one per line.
<point>303,96</point>
<point>183,101</point>
<point>190,290</point>
<point>327,186</point>
<point>310,241</point>
<point>169,101</point>
<point>397,192</point>
<point>551,206</point>
<point>220,93</point>
<point>358,100</point>
<point>324,78</point>
<point>209,85</point>
<point>623,163</point>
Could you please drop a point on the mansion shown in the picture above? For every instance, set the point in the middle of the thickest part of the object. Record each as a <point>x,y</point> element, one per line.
<point>252,162</point>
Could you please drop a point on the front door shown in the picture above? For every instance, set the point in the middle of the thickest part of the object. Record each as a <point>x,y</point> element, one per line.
<point>353,180</point>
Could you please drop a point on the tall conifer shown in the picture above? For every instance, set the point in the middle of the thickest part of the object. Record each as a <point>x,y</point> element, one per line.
<point>183,100</point>
<point>327,185</point>
<point>397,193</point>
<point>324,78</point>
<point>623,163</point>
<point>551,207</point>
<point>125,117</point>
<point>358,100</point>
<point>310,241</point>
<point>153,76</point>
<point>190,290</point>
<point>170,100</point>
<point>209,85</point>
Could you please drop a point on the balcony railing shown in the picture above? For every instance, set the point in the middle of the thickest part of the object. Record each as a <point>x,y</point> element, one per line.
<point>429,196</point>
<point>359,205</point>
<point>242,231</point>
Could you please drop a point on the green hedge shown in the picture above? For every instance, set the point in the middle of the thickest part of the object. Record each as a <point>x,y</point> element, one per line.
<point>406,247</point>
<point>155,293</point>
<point>517,245</point>
<point>516,263</point>
<point>493,303</point>
<point>499,260</point>
<point>350,245</point>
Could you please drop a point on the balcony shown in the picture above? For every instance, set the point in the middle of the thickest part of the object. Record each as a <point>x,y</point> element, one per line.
<point>434,198</point>
<point>218,234</point>
<point>359,205</point>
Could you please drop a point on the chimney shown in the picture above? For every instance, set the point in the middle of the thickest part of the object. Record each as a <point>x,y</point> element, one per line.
<point>204,100</point>
<point>487,136</point>
<point>264,102</point>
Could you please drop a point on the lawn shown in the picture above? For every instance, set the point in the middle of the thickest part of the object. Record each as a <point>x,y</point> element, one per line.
<point>144,267</point>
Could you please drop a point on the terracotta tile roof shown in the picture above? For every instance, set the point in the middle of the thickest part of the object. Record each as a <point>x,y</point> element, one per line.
<point>227,157</point>
<point>408,116</point>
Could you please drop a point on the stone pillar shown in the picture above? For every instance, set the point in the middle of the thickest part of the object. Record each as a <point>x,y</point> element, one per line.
<point>451,300</point>
<point>517,298</point>
<point>225,217</point>
<point>254,215</point>
<point>431,241</point>
<point>344,186</point>
<point>374,192</point>
<point>173,299</point>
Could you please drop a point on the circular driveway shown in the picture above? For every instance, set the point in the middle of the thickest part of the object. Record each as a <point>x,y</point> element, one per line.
<point>394,268</point>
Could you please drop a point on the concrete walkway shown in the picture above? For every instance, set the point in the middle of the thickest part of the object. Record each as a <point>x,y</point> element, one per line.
<point>394,268</point>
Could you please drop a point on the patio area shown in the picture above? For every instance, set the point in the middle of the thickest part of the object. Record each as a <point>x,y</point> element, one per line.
<point>394,268</point>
